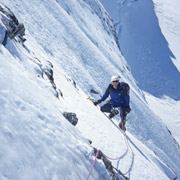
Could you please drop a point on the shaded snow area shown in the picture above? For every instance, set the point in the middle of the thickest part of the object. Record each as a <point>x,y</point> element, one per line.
<point>70,48</point>
<point>169,20</point>
<point>168,110</point>
<point>150,55</point>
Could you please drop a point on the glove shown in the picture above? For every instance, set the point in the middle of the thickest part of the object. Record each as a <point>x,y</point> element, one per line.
<point>97,102</point>
<point>128,109</point>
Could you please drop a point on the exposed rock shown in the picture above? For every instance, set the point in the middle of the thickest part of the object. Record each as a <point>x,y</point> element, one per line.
<point>71,117</point>
<point>13,27</point>
<point>73,82</point>
<point>93,91</point>
<point>113,172</point>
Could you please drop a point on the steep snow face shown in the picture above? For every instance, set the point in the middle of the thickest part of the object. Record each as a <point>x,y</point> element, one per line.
<point>168,110</point>
<point>167,13</point>
<point>169,20</point>
<point>93,51</point>
<point>112,8</point>
<point>146,49</point>
<point>37,142</point>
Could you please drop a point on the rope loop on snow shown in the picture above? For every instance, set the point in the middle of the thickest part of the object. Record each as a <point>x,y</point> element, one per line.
<point>121,156</point>
<point>97,153</point>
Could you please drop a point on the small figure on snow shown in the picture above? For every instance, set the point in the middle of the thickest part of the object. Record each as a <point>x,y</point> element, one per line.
<point>119,93</point>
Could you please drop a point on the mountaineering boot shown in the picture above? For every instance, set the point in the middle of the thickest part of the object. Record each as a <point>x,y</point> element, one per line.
<point>122,125</point>
<point>113,113</point>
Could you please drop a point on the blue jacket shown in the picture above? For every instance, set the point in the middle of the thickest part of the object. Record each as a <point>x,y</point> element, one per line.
<point>119,96</point>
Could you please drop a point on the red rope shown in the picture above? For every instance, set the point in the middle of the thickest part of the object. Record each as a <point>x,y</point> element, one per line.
<point>92,165</point>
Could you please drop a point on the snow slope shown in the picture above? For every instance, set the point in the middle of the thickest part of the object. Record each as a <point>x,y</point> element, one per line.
<point>167,14</point>
<point>169,20</point>
<point>77,38</point>
<point>168,110</point>
<point>145,46</point>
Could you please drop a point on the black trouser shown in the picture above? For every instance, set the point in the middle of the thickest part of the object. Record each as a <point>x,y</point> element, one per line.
<point>108,108</point>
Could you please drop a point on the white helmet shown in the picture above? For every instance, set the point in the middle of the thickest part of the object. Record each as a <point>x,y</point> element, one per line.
<point>114,78</point>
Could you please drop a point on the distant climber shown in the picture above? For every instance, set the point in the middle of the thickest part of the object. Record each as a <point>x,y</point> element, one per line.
<point>13,27</point>
<point>119,93</point>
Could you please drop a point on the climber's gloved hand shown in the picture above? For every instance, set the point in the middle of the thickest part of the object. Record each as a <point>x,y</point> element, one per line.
<point>97,102</point>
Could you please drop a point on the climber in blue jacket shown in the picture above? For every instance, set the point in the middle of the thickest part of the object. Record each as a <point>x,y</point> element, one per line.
<point>119,94</point>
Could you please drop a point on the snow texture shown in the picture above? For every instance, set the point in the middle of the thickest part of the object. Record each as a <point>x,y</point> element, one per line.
<point>76,41</point>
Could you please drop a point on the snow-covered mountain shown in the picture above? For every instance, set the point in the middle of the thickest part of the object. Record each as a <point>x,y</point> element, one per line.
<point>148,34</point>
<point>152,76</point>
<point>71,48</point>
